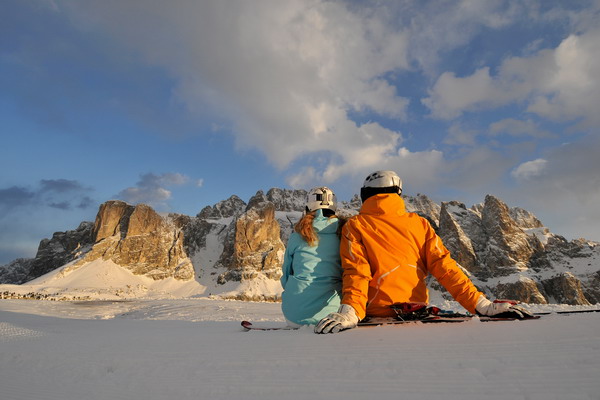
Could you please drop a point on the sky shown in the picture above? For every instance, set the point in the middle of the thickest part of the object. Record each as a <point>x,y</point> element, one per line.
<point>182,104</point>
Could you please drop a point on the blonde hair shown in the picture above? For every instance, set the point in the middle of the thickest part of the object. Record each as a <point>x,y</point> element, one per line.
<point>305,227</point>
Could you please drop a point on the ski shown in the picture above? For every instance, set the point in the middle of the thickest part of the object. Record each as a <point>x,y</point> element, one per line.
<point>442,317</point>
<point>433,319</point>
<point>248,326</point>
<point>436,319</point>
<point>423,314</point>
<point>566,312</point>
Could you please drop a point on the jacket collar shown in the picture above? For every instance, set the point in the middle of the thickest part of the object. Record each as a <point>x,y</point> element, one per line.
<point>385,203</point>
<point>323,224</point>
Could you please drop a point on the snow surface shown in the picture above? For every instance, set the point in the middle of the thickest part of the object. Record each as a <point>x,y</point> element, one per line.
<point>136,338</point>
<point>195,349</point>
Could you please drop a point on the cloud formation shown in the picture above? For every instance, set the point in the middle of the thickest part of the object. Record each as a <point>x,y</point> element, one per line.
<point>287,74</point>
<point>60,194</point>
<point>461,97</point>
<point>15,196</point>
<point>323,89</point>
<point>152,189</point>
<point>529,169</point>
<point>559,84</point>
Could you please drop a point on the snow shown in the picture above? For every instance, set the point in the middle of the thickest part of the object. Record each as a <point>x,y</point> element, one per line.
<point>195,349</point>
<point>542,234</point>
<point>136,338</point>
<point>104,280</point>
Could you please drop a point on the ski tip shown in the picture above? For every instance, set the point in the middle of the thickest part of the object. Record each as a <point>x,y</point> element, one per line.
<point>246,324</point>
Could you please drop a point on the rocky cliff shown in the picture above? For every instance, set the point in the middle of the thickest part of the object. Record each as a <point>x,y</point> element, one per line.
<point>236,248</point>
<point>139,239</point>
<point>52,253</point>
<point>510,254</point>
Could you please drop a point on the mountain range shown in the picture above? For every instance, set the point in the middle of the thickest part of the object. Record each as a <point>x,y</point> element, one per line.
<point>234,249</point>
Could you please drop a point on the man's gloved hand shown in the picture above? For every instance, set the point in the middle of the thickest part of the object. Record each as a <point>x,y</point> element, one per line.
<point>501,309</point>
<point>344,318</point>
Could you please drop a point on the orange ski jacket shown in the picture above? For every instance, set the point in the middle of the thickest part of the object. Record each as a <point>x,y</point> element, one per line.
<point>386,255</point>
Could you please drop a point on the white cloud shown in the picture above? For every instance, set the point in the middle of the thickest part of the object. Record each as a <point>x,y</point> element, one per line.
<point>305,178</point>
<point>452,95</point>
<point>418,170</point>
<point>147,195</point>
<point>573,89</point>
<point>560,84</point>
<point>286,74</point>
<point>529,169</point>
<point>151,189</point>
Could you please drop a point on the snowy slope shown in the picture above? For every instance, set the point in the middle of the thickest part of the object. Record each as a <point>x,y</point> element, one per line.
<point>105,280</point>
<point>195,349</point>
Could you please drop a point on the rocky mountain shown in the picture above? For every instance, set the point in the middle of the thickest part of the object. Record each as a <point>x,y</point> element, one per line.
<point>510,254</point>
<point>235,249</point>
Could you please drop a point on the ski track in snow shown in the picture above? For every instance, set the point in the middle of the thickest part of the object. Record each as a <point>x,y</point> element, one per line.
<point>195,349</point>
<point>9,332</point>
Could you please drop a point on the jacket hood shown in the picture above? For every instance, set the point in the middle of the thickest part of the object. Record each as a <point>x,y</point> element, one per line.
<point>384,203</point>
<point>322,224</point>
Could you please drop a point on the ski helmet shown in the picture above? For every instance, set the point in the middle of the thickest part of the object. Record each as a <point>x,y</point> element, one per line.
<point>321,198</point>
<point>381,182</point>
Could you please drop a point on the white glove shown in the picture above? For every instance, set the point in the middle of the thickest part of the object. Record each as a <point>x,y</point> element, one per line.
<point>508,309</point>
<point>344,318</point>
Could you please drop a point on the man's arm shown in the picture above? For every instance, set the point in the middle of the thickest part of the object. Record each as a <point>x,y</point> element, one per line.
<point>447,272</point>
<point>441,265</point>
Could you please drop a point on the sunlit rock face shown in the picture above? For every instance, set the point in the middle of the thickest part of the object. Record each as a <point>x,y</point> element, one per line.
<point>509,248</point>
<point>254,246</point>
<point>524,290</point>
<point>565,288</point>
<point>139,239</point>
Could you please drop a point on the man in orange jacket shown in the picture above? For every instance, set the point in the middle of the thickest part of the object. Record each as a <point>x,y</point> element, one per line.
<point>386,255</point>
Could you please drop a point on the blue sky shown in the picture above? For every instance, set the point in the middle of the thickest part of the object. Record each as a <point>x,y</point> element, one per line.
<point>182,104</point>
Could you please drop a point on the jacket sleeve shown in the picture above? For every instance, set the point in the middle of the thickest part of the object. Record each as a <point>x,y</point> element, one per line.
<point>441,265</point>
<point>288,257</point>
<point>356,270</point>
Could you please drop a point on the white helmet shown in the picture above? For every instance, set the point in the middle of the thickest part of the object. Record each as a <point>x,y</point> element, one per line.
<point>381,182</point>
<point>380,179</point>
<point>321,198</point>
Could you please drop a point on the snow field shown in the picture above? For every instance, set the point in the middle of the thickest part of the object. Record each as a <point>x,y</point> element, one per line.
<point>195,349</point>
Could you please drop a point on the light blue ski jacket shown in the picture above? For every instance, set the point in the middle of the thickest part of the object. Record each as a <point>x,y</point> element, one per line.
<point>312,276</point>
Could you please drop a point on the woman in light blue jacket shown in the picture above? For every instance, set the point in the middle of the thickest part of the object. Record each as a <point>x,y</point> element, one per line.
<point>312,272</point>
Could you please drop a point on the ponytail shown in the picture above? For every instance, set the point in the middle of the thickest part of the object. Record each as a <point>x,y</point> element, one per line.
<point>305,228</point>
